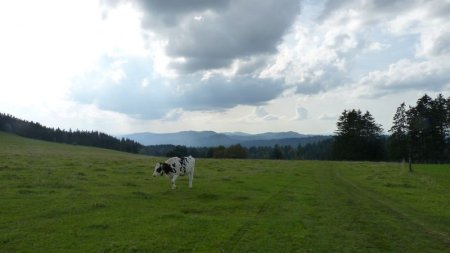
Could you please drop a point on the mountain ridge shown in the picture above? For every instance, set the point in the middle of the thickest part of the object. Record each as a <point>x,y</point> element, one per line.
<point>212,138</point>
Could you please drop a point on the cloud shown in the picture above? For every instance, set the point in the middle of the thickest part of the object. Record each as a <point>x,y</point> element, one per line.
<point>204,35</point>
<point>431,75</point>
<point>307,64</point>
<point>226,53</point>
<point>173,115</point>
<point>219,92</point>
<point>260,114</point>
<point>128,85</point>
<point>370,11</point>
<point>203,56</point>
<point>356,44</point>
<point>427,19</point>
<point>170,13</point>
<point>301,113</point>
<point>138,92</point>
<point>377,46</point>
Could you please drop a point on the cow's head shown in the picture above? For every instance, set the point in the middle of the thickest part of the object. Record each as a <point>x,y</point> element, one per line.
<point>158,170</point>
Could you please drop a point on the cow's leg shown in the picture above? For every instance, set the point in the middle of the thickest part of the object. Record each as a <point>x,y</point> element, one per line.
<point>191,178</point>
<point>174,178</point>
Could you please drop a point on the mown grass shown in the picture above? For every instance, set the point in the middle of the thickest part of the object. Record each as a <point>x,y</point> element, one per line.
<point>62,198</point>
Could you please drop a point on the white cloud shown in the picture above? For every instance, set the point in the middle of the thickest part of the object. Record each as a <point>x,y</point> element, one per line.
<point>173,115</point>
<point>377,46</point>
<point>431,75</point>
<point>260,114</point>
<point>333,53</point>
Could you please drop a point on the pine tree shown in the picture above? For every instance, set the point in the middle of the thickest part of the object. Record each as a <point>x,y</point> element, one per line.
<point>428,129</point>
<point>236,151</point>
<point>358,137</point>
<point>439,127</point>
<point>276,153</point>
<point>398,141</point>
<point>420,129</point>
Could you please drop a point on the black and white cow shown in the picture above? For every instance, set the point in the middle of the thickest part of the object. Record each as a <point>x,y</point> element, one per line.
<point>176,166</point>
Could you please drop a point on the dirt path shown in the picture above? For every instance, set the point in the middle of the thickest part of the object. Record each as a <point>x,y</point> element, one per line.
<point>395,209</point>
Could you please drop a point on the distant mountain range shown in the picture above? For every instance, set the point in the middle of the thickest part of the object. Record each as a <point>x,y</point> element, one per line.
<point>212,139</point>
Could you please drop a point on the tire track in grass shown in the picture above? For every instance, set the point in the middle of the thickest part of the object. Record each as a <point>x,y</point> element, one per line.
<point>232,243</point>
<point>394,208</point>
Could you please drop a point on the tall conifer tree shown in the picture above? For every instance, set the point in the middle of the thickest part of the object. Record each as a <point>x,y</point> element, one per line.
<point>358,137</point>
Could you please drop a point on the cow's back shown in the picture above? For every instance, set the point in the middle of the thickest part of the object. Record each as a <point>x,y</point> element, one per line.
<point>183,165</point>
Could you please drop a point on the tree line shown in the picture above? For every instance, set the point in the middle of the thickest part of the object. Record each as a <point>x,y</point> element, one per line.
<point>420,133</point>
<point>236,151</point>
<point>29,129</point>
<point>312,151</point>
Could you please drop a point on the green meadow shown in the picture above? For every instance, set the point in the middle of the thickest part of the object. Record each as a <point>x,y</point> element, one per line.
<point>63,198</point>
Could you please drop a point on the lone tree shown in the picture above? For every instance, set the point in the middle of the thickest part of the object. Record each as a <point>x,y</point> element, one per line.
<point>358,137</point>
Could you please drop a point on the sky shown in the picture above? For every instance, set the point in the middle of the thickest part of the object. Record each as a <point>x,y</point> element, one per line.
<point>252,66</point>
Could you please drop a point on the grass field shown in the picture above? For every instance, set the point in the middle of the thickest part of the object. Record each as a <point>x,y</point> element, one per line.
<point>62,198</point>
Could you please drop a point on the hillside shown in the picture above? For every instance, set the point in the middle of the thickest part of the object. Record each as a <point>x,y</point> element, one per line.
<point>35,130</point>
<point>213,139</point>
<point>66,198</point>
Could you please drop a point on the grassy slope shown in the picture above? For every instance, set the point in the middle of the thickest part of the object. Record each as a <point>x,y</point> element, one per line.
<point>61,198</point>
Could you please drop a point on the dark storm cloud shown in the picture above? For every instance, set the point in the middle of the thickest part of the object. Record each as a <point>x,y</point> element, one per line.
<point>194,64</point>
<point>220,93</point>
<point>211,34</point>
<point>244,28</point>
<point>170,12</point>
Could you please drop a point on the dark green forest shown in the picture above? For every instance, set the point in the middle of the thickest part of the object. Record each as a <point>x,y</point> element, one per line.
<point>420,133</point>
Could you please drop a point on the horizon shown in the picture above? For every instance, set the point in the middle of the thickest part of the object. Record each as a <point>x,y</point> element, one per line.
<point>163,67</point>
<point>234,132</point>
<point>197,131</point>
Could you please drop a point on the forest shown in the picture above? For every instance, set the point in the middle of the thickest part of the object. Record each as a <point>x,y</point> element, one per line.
<point>34,130</point>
